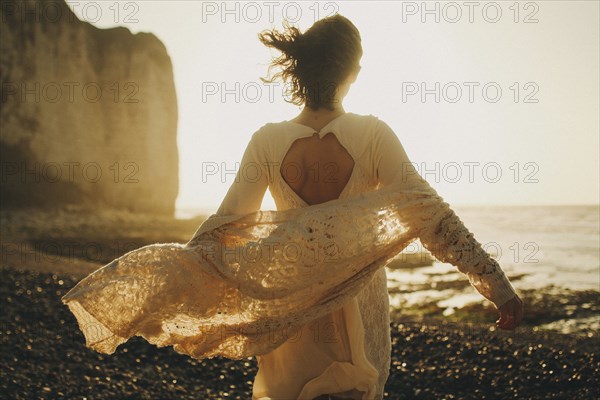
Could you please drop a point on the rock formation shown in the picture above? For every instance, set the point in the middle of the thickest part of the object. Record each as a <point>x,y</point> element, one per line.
<point>88,116</point>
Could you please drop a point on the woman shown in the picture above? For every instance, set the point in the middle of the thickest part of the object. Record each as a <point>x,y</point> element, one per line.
<point>325,141</point>
<point>348,200</point>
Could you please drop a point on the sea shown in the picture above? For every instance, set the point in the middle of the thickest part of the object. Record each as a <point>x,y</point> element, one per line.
<point>551,254</point>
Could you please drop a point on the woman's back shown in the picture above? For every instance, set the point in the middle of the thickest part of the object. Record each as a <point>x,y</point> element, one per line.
<point>310,166</point>
<point>317,169</point>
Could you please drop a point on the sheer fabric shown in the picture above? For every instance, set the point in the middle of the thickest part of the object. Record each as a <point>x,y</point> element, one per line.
<point>261,283</point>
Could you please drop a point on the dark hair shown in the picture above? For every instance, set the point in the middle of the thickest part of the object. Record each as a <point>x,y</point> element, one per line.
<point>317,61</point>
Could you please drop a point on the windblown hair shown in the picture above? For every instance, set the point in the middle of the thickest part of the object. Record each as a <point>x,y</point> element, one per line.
<point>315,62</point>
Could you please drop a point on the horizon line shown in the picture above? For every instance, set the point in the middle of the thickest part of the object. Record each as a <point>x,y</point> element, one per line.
<point>183,213</point>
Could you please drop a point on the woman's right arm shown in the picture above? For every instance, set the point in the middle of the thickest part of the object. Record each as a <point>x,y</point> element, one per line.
<point>443,233</point>
<point>246,193</point>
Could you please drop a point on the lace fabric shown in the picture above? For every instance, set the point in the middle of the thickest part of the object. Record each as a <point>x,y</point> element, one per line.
<point>249,280</point>
<point>241,289</point>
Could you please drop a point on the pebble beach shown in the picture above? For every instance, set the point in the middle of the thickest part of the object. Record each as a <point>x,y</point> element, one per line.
<point>44,354</point>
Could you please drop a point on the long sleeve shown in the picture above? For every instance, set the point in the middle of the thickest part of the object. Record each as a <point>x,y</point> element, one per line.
<point>440,231</point>
<point>246,193</point>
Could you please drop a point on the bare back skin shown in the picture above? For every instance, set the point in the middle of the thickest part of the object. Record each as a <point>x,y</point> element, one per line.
<point>317,169</point>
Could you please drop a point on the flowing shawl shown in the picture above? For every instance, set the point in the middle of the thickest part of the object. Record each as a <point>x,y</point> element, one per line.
<point>246,283</point>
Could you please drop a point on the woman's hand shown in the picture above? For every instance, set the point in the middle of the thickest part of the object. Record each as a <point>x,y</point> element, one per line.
<point>511,314</point>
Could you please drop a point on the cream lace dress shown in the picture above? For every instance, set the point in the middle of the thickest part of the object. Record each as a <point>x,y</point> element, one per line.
<point>301,288</point>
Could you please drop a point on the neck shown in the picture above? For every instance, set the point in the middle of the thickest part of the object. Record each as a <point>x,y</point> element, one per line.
<point>322,113</point>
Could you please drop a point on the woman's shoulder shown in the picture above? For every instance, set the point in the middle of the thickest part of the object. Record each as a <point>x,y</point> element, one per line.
<point>369,119</point>
<point>375,125</point>
<point>348,123</point>
<point>363,125</point>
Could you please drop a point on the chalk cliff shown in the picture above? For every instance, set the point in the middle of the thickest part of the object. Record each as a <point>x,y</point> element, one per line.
<point>88,116</point>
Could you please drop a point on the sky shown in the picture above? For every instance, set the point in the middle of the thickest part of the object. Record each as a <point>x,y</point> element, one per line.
<point>497,103</point>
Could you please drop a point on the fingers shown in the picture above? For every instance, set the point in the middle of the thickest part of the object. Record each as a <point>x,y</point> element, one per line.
<point>506,323</point>
<point>501,322</point>
<point>505,311</point>
<point>519,313</point>
<point>511,315</point>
